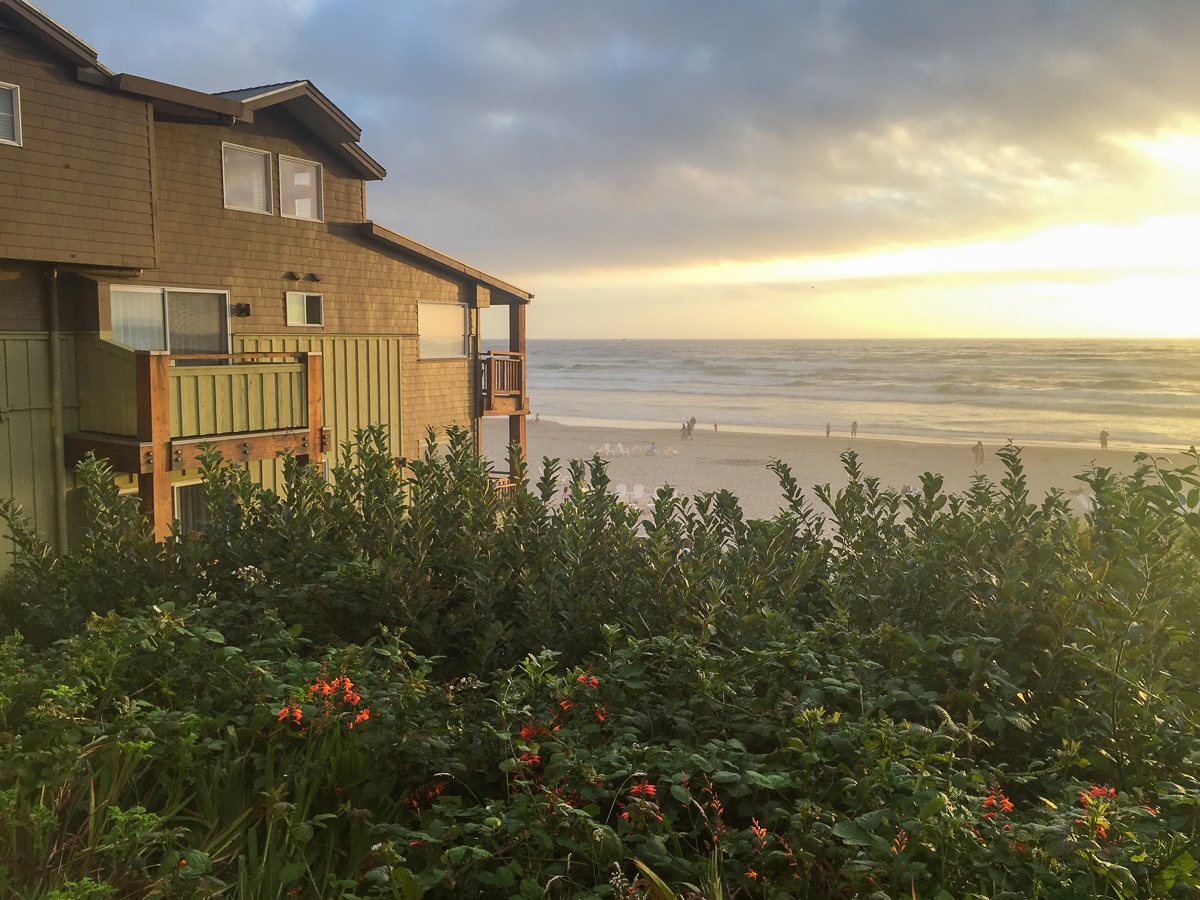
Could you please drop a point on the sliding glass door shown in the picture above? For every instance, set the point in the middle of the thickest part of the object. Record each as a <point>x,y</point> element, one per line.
<point>180,322</point>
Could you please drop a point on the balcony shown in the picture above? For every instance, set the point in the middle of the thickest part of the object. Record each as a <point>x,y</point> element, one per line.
<point>502,381</point>
<point>150,412</point>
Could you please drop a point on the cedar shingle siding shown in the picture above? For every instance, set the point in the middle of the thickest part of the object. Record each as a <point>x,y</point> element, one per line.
<point>78,190</point>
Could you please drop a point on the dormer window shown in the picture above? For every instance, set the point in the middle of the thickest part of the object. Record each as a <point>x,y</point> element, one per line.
<point>247,176</point>
<point>10,114</point>
<point>300,189</point>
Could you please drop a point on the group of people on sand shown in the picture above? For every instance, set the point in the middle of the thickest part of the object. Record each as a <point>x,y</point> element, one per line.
<point>981,454</point>
<point>853,429</point>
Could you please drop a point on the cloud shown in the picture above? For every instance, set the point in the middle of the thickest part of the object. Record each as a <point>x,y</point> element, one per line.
<point>525,136</point>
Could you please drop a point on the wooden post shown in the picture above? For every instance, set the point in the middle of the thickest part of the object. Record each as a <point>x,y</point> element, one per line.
<point>154,428</point>
<point>316,415</point>
<point>516,344</point>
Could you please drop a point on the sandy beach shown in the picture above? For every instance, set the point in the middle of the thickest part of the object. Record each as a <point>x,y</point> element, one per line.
<point>737,460</point>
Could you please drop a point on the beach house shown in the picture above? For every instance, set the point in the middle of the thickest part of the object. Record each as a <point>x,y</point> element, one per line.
<point>180,268</point>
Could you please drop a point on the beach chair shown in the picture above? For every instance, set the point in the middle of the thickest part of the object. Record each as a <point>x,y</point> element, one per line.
<point>621,451</point>
<point>638,496</point>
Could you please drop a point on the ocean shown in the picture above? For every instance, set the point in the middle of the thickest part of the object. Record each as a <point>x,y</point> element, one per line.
<point>1145,393</point>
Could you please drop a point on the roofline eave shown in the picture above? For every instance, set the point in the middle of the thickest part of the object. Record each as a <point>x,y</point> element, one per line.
<point>377,232</point>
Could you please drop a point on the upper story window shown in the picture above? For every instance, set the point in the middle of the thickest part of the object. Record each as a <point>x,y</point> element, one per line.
<point>10,114</point>
<point>443,329</point>
<point>300,189</point>
<point>247,174</point>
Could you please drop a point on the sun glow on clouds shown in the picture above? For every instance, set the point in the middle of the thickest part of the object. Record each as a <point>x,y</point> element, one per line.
<point>1173,150</point>
<point>1136,280</point>
<point>1161,244</point>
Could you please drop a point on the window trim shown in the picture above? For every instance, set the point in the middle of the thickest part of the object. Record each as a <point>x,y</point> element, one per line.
<point>287,295</point>
<point>270,192</point>
<point>16,95</point>
<point>320,188</point>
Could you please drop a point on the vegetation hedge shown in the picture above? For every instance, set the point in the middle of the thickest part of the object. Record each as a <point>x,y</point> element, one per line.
<point>401,685</point>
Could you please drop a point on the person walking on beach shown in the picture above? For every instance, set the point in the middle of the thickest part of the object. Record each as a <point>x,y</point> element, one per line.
<point>979,452</point>
<point>683,432</point>
<point>715,428</point>
<point>827,429</point>
<point>854,429</point>
<point>1104,440</point>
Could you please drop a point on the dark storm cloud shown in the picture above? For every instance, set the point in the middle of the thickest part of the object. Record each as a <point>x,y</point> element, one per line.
<point>532,135</point>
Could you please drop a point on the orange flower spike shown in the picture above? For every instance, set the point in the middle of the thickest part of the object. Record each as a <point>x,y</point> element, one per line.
<point>1005,805</point>
<point>297,715</point>
<point>283,714</point>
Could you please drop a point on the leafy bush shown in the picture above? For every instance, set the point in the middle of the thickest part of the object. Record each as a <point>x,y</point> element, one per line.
<point>401,685</point>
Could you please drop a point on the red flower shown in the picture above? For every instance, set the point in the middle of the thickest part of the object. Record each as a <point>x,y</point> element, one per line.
<point>759,831</point>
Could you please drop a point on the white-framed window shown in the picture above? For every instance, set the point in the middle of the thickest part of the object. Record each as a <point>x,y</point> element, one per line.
<point>305,309</point>
<point>10,114</point>
<point>191,507</point>
<point>443,330</point>
<point>246,173</point>
<point>300,189</point>
<point>177,320</point>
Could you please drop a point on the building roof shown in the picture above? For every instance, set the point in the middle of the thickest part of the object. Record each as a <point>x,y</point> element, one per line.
<point>377,233</point>
<point>49,34</point>
<point>317,113</point>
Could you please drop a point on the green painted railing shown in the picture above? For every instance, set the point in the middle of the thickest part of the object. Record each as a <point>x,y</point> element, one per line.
<point>215,400</point>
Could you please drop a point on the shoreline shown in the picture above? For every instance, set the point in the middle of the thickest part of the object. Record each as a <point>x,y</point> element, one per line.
<point>737,460</point>
<point>783,431</point>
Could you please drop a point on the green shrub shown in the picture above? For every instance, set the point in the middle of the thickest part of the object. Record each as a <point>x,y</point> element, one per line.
<point>398,685</point>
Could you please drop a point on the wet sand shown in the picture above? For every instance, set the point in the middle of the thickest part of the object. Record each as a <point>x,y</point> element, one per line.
<point>737,460</point>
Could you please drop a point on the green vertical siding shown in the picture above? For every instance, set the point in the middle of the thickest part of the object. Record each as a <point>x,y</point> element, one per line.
<point>107,386</point>
<point>361,379</point>
<point>26,428</point>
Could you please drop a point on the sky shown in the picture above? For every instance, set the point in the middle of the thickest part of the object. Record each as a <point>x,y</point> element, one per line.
<point>792,169</point>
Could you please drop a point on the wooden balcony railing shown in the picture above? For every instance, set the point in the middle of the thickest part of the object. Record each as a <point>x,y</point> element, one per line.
<point>505,487</point>
<point>502,381</point>
<point>149,413</point>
